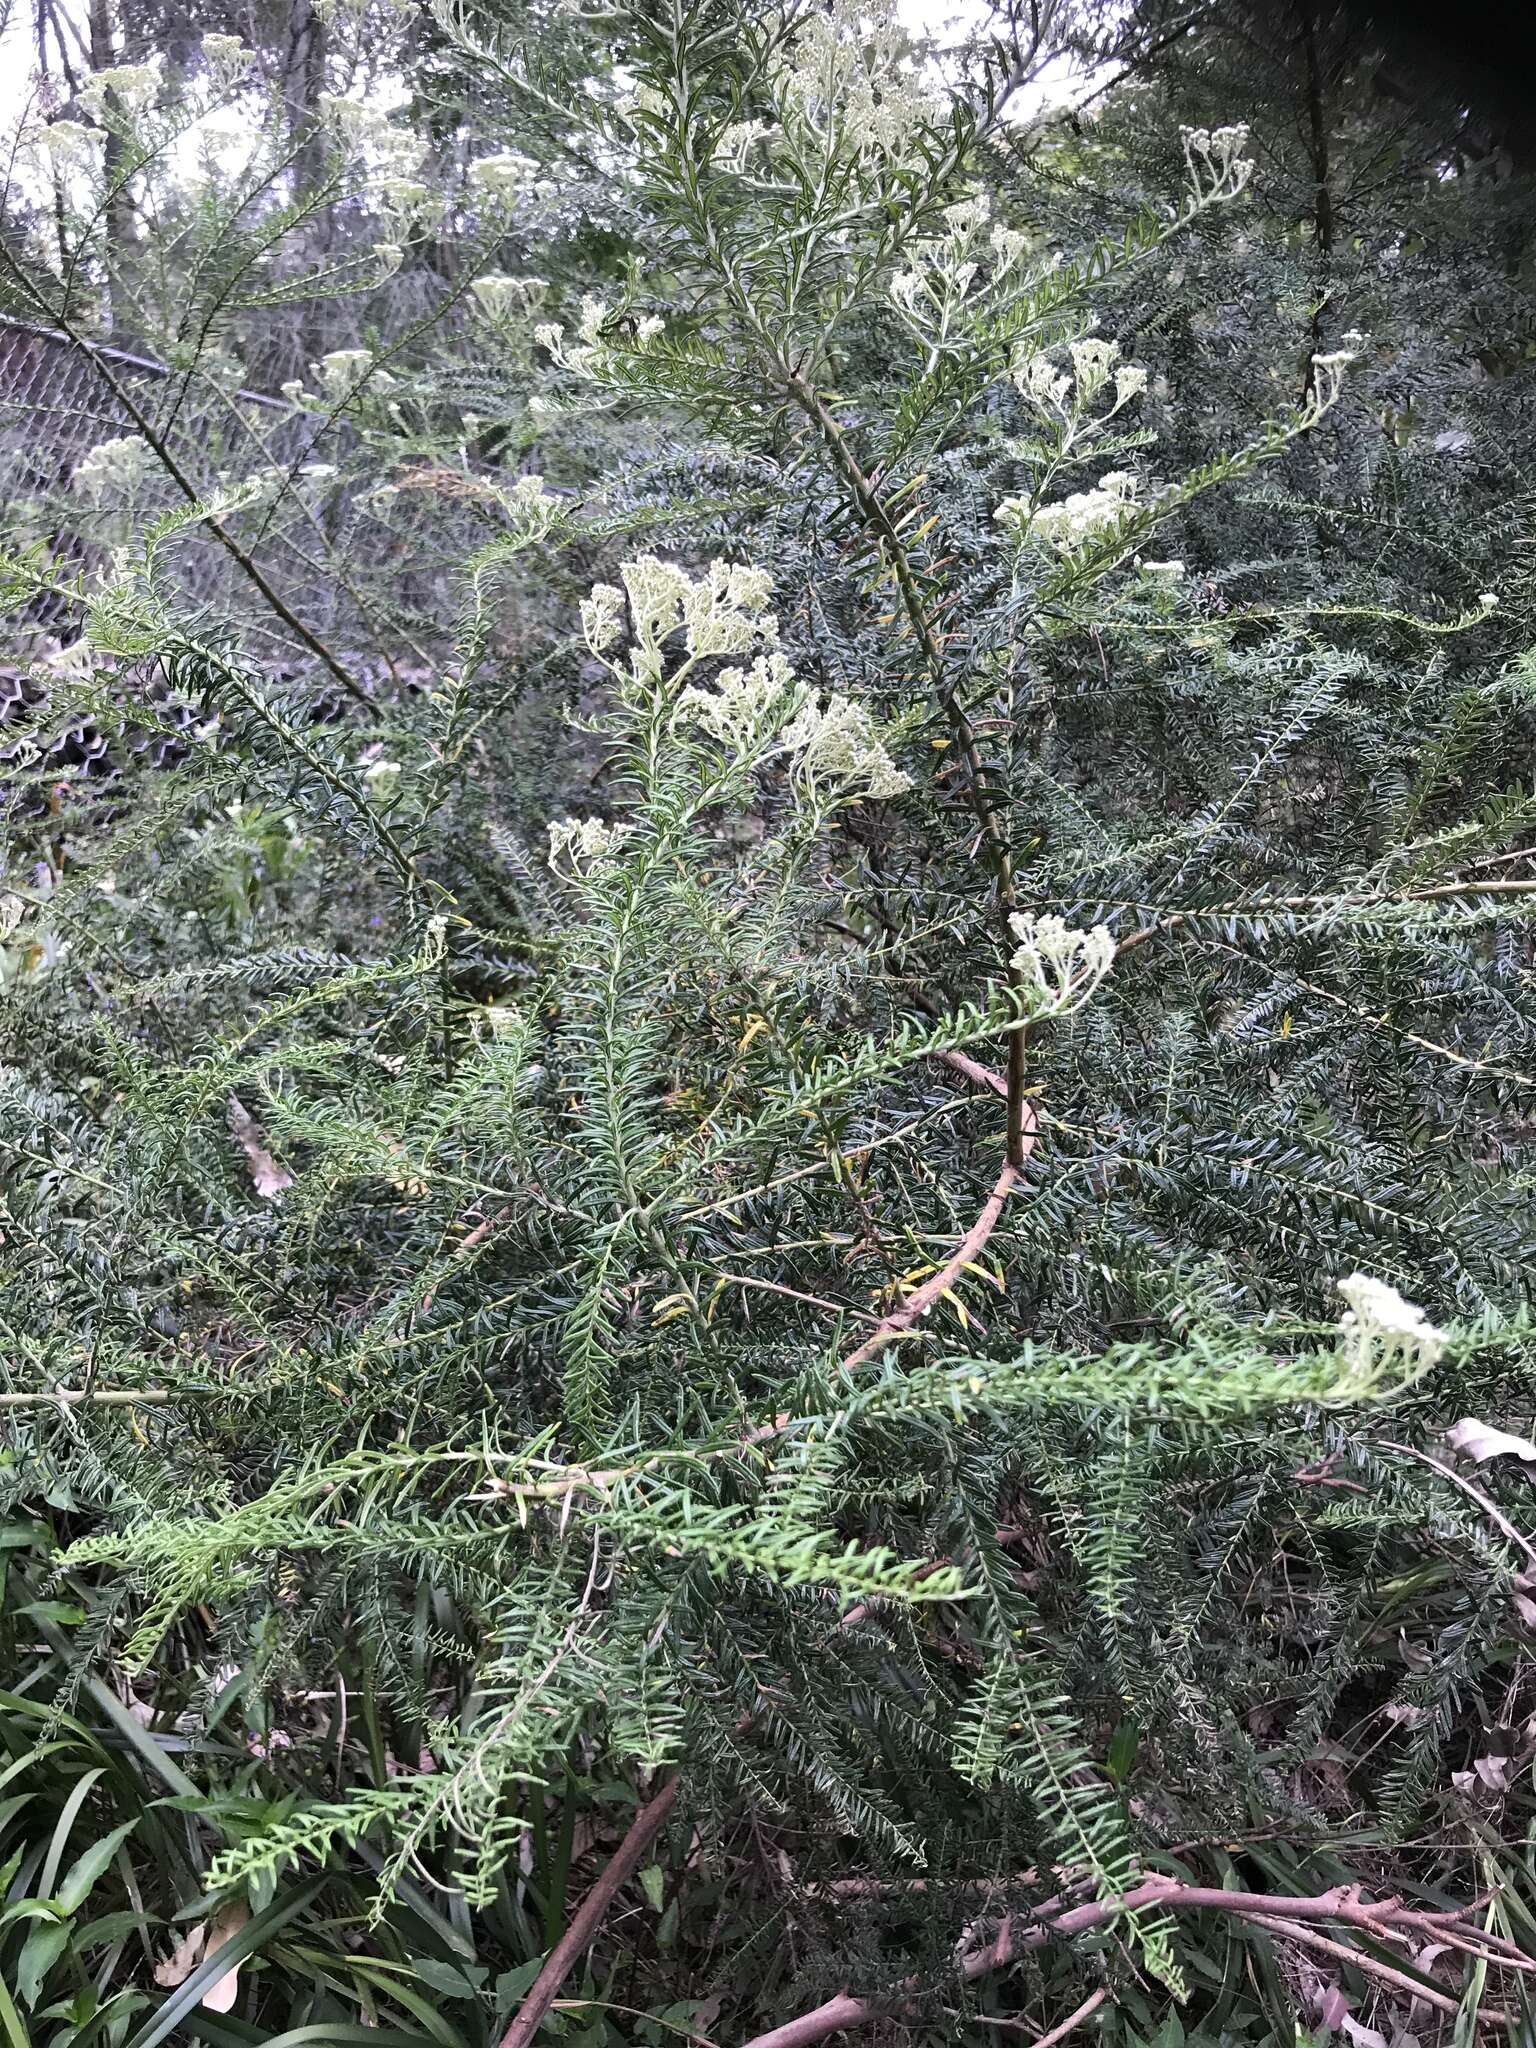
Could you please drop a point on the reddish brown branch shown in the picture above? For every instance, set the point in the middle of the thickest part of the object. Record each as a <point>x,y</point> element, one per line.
<point>900,1320</point>
<point>578,1936</point>
<point>1048,1921</point>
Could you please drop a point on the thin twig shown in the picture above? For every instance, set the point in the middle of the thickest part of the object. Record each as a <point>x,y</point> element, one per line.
<point>899,1322</point>
<point>1495,1515</point>
<point>572,1945</point>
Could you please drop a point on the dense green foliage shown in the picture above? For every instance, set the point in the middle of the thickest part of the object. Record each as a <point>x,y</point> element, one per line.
<point>765,1008</point>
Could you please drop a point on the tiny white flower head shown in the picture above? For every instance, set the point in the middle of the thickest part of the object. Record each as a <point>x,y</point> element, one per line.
<point>382,778</point>
<point>1379,1328</point>
<point>1489,600</point>
<point>1061,967</point>
<point>389,256</point>
<point>501,177</point>
<point>584,843</point>
<point>602,617</point>
<point>837,743</point>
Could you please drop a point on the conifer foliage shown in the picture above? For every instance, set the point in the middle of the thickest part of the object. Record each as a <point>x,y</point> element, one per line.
<point>765,1046</point>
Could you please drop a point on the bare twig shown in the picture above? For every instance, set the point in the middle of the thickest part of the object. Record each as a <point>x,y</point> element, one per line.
<point>1495,1515</point>
<point>900,1320</point>
<point>573,1944</point>
<point>1054,1919</point>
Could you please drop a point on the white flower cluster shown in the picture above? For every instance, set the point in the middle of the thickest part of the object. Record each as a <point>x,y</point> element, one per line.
<point>1062,966</point>
<point>1083,517</point>
<point>501,178</point>
<point>850,81</point>
<point>366,129</point>
<point>584,356</point>
<point>132,85</point>
<point>343,370</point>
<point>500,297</point>
<point>226,58</point>
<point>405,199</point>
<point>725,611</point>
<point>1217,167</point>
<point>743,705</point>
<point>114,468</point>
<point>929,294</point>
<point>1328,377</point>
<point>584,842</point>
<point>530,508</point>
<point>1060,395</point>
<point>837,742</point>
<point>69,143</point>
<point>735,143</point>
<point>1380,1328</point>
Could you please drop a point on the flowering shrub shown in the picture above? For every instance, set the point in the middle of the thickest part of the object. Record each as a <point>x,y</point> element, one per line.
<point>693,1065</point>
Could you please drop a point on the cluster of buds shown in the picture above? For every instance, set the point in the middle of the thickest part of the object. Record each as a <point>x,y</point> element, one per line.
<point>531,510</point>
<point>1380,1330</point>
<point>500,297</point>
<point>1081,518</point>
<point>1058,393</point>
<point>930,293</point>
<point>69,144</point>
<point>1328,371</point>
<point>722,612</point>
<point>343,371</point>
<point>227,58</point>
<point>130,86</point>
<point>595,336</point>
<point>851,83</point>
<point>584,843</point>
<point>836,742</point>
<point>744,704</point>
<point>1217,167</point>
<point>366,130</point>
<point>1060,966</point>
<point>114,469</point>
<point>501,179</point>
<point>725,611</point>
<point>735,143</point>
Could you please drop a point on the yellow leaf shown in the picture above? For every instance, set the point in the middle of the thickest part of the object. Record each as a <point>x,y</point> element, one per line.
<point>958,1306</point>
<point>754,1026</point>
